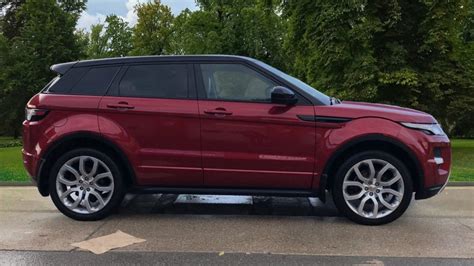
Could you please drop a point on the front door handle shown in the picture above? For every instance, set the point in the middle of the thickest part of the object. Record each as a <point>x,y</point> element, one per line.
<point>218,112</point>
<point>120,105</point>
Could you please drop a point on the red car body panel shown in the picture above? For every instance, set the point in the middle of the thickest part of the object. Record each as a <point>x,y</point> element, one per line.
<point>161,138</point>
<point>257,145</point>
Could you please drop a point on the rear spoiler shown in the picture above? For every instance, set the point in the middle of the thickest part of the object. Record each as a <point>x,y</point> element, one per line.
<point>61,69</point>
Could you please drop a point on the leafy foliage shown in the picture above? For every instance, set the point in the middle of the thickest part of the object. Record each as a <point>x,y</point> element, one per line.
<point>249,28</point>
<point>153,31</point>
<point>400,52</point>
<point>45,36</point>
<point>418,54</point>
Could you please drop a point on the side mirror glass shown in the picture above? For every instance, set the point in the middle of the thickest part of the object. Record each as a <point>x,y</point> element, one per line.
<point>283,95</point>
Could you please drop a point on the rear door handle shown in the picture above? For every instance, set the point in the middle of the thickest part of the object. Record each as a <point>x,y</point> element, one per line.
<point>120,105</point>
<point>218,111</point>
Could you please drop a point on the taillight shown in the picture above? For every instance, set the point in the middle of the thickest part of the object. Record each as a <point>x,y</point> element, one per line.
<point>32,114</point>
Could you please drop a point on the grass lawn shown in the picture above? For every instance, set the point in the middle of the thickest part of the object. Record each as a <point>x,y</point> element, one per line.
<point>11,165</point>
<point>463,160</point>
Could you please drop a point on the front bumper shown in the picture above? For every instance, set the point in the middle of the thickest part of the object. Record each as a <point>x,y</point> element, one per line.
<point>431,191</point>
<point>437,168</point>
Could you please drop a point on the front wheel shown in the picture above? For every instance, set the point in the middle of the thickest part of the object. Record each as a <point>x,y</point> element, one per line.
<point>372,188</point>
<point>86,184</point>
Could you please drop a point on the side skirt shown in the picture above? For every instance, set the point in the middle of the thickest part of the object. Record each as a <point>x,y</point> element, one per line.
<point>224,191</point>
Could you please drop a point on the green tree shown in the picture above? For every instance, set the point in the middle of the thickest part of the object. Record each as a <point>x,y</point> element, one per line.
<point>151,35</point>
<point>10,23</point>
<point>398,51</point>
<point>243,27</point>
<point>97,43</point>
<point>112,39</point>
<point>118,35</point>
<point>46,37</point>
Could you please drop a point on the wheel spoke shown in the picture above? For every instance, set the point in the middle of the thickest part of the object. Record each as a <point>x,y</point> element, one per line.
<point>372,170</point>
<point>82,169</point>
<point>354,196</point>
<point>66,193</point>
<point>391,191</point>
<point>359,174</point>
<point>352,184</point>
<point>375,210</point>
<point>103,175</point>
<point>67,182</point>
<point>391,181</point>
<point>71,170</point>
<point>360,209</point>
<point>95,165</point>
<point>87,203</point>
<point>100,200</point>
<point>382,171</point>
<point>385,203</point>
<point>103,188</point>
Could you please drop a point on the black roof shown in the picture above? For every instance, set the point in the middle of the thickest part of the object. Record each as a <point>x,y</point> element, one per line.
<point>64,67</point>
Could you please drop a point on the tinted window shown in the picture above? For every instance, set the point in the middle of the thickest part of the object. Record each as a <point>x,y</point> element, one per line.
<point>157,81</point>
<point>235,82</point>
<point>64,84</point>
<point>95,81</point>
<point>84,81</point>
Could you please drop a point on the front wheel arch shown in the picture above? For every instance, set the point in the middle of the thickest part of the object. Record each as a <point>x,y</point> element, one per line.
<point>373,142</point>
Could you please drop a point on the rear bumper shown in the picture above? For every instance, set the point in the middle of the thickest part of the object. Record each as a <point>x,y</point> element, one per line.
<point>31,163</point>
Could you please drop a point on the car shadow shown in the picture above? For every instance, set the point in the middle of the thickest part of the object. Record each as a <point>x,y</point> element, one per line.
<point>226,205</point>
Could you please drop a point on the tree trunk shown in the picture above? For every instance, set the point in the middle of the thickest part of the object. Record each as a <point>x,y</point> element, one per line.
<point>16,133</point>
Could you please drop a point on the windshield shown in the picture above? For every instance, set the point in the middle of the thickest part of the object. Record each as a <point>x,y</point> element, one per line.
<point>321,97</point>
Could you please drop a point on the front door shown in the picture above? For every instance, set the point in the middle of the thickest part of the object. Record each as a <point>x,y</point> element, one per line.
<point>152,112</point>
<point>247,141</point>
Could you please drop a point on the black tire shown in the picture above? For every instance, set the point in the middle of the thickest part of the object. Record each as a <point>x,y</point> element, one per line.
<point>118,191</point>
<point>337,188</point>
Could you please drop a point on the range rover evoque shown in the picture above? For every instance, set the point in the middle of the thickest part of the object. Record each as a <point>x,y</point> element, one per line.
<point>222,125</point>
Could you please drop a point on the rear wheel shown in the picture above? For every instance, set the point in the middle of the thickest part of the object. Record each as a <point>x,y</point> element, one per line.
<point>372,188</point>
<point>86,184</point>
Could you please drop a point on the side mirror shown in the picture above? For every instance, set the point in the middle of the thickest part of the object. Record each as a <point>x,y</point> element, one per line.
<point>282,95</point>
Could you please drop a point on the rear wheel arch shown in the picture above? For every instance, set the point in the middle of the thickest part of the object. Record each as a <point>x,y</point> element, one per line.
<point>373,142</point>
<point>82,140</point>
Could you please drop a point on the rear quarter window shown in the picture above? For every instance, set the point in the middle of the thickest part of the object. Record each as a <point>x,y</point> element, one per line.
<point>84,81</point>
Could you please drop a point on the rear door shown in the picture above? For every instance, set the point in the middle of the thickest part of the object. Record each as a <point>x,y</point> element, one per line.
<point>247,141</point>
<point>151,110</point>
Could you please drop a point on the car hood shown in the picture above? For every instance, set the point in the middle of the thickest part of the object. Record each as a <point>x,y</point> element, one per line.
<point>354,110</point>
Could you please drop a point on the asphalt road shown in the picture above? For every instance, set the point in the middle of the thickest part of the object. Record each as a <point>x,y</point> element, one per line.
<point>257,230</point>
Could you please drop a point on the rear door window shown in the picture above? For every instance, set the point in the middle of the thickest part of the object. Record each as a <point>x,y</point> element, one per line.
<point>155,81</point>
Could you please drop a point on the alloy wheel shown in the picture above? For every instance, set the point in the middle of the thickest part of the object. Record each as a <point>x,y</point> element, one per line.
<point>84,184</point>
<point>373,188</point>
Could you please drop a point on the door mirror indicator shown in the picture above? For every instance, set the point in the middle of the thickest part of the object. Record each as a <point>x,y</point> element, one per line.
<point>283,95</point>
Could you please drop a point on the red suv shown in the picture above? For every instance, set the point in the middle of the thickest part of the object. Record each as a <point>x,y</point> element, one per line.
<point>222,125</point>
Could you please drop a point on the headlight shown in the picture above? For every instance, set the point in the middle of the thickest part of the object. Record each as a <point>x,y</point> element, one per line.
<point>430,129</point>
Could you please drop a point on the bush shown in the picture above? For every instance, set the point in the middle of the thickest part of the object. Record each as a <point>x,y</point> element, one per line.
<point>11,143</point>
